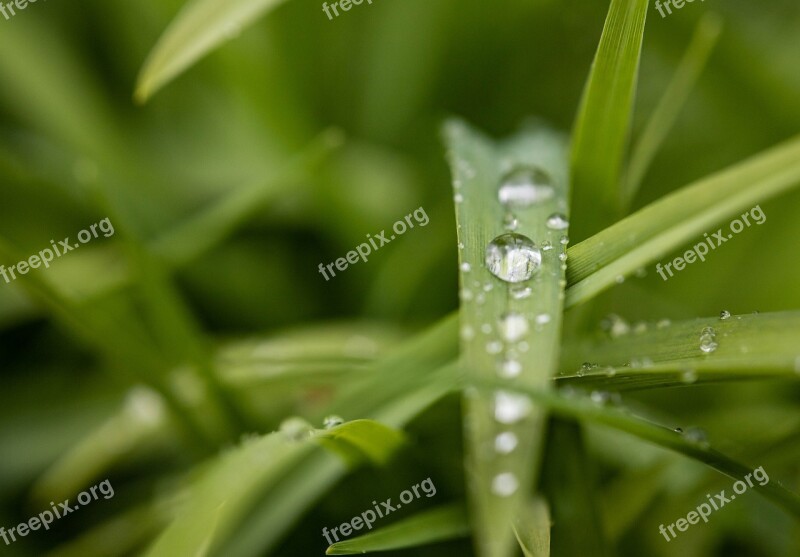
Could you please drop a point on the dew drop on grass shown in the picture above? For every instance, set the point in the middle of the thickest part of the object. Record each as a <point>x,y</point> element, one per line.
<point>467,332</point>
<point>513,326</point>
<point>486,329</point>
<point>332,421</point>
<point>295,429</point>
<point>543,319</point>
<point>458,198</point>
<point>465,267</point>
<point>564,240</point>
<point>494,347</point>
<point>663,323</point>
<point>505,484</point>
<point>696,435</point>
<point>510,222</point>
<point>513,258</point>
<point>509,408</point>
<point>724,314</point>
<point>615,325</point>
<point>466,295</point>
<point>546,246</point>
<point>520,292</point>
<point>708,342</point>
<point>145,405</point>
<point>562,256</point>
<point>557,221</point>
<point>689,376</point>
<point>525,186</point>
<point>505,442</point>
<point>510,368</point>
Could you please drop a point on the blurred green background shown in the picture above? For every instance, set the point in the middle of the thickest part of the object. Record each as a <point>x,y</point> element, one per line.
<point>72,142</point>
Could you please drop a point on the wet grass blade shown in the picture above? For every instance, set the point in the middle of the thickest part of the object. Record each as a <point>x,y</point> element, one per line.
<point>532,529</point>
<point>672,101</point>
<point>200,27</point>
<point>437,525</point>
<point>678,218</point>
<point>601,130</point>
<point>499,480</point>
<point>755,346</point>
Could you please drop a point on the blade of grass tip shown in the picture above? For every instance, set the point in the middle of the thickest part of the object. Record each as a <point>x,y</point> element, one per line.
<point>436,525</point>
<point>672,101</point>
<point>694,447</point>
<point>569,482</point>
<point>696,351</point>
<point>200,26</point>
<point>604,118</point>
<point>511,292</point>
<point>682,216</point>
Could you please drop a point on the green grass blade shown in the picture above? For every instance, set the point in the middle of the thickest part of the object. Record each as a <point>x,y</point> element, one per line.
<point>666,112</point>
<point>620,418</point>
<point>603,124</point>
<point>201,26</point>
<point>532,529</point>
<point>478,168</point>
<point>440,524</point>
<point>755,346</point>
<point>680,217</point>
<point>232,484</point>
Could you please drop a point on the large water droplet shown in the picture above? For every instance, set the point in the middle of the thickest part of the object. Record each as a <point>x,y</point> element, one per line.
<point>513,326</point>
<point>524,187</point>
<point>513,258</point>
<point>505,484</point>
<point>509,408</point>
<point>708,342</point>
<point>505,442</point>
<point>557,221</point>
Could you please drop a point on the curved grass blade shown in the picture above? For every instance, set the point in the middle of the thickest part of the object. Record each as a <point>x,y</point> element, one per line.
<point>436,525</point>
<point>232,484</point>
<point>201,26</point>
<point>621,419</point>
<point>604,118</point>
<point>532,529</point>
<point>755,346</point>
<point>500,480</point>
<point>666,112</point>
<point>680,217</point>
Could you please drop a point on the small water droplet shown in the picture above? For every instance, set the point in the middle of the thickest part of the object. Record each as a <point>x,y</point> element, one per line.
<point>510,222</point>
<point>458,198</point>
<point>486,328</point>
<point>641,272</point>
<point>466,295</point>
<point>524,187</point>
<point>601,397</point>
<point>678,430</point>
<point>494,347</point>
<point>513,258</point>
<point>505,484</point>
<point>145,405</point>
<point>513,326</point>
<point>724,314</point>
<point>509,408</point>
<point>510,368</point>
<point>465,267</point>
<point>696,435</point>
<point>467,332</point>
<point>505,442</point>
<point>564,240</point>
<point>708,342</point>
<point>663,323</point>
<point>615,325</point>
<point>460,245</point>
<point>332,421</point>
<point>295,429</point>
<point>546,246</point>
<point>543,319</point>
<point>639,328</point>
<point>520,292</point>
<point>562,256</point>
<point>557,221</point>
<point>488,287</point>
<point>619,279</point>
<point>610,371</point>
<point>689,376</point>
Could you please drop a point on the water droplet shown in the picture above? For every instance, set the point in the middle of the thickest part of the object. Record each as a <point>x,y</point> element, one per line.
<point>689,376</point>
<point>513,258</point>
<point>543,319</point>
<point>295,429</point>
<point>460,245</point>
<point>601,397</point>
<point>562,256</point>
<point>494,347</point>
<point>145,405</point>
<point>480,298</point>
<point>696,435</point>
<point>641,272</point>
<point>510,222</point>
<point>678,430</point>
<point>557,221</point>
<point>465,267</point>
<point>564,240</point>
<point>513,326</point>
<point>505,484</point>
<point>663,323</point>
<point>708,342</point>
<point>486,328</point>
<point>458,198</point>
<point>610,371</point>
<point>332,421</point>
<point>520,292</point>
<point>510,368</point>
<point>524,187</point>
<point>467,332</point>
<point>724,314</point>
<point>509,408</point>
<point>639,328</point>
<point>619,279</point>
<point>546,246</point>
<point>466,295</point>
<point>505,442</point>
<point>615,325</point>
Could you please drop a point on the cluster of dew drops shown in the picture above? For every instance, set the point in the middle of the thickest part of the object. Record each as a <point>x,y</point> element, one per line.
<point>514,259</point>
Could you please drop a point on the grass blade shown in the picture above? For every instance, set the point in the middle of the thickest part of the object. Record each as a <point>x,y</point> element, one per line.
<point>674,97</point>
<point>441,524</point>
<point>532,529</point>
<point>499,482</point>
<point>201,26</point>
<point>683,216</point>
<point>604,118</point>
